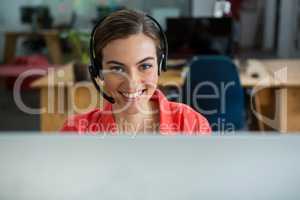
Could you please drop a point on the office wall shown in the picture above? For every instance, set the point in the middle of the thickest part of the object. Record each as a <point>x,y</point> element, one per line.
<point>85,9</point>
<point>202,8</point>
<point>62,9</point>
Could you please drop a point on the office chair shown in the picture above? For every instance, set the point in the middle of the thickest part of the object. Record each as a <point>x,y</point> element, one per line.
<point>213,88</point>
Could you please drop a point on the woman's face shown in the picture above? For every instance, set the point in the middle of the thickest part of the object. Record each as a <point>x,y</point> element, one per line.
<point>130,72</point>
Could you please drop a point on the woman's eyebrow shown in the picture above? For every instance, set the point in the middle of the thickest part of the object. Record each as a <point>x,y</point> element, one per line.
<point>147,58</point>
<point>114,62</point>
<point>119,63</point>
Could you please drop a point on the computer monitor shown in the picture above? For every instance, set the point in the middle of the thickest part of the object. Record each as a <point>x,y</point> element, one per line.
<point>188,36</point>
<point>39,16</point>
<point>26,14</point>
<point>136,167</point>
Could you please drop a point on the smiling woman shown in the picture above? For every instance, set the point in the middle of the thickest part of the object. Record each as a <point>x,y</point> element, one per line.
<point>128,51</point>
<point>134,73</point>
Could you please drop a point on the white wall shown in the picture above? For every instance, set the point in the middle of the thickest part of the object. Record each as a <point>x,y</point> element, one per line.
<point>202,8</point>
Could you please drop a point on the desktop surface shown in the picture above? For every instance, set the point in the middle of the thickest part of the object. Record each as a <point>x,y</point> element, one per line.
<point>149,167</point>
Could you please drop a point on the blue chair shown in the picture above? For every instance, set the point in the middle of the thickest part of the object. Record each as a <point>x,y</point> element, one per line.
<point>213,88</point>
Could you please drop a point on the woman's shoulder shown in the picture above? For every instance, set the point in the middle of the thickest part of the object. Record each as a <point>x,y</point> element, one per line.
<point>80,121</point>
<point>183,109</point>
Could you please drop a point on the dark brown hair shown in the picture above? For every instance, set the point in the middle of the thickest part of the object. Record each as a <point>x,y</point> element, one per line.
<point>122,24</point>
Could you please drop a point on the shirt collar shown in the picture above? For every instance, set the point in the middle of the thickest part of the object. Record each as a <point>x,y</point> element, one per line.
<point>165,117</point>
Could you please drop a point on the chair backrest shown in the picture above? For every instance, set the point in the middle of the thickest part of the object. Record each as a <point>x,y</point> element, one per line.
<point>213,88</point>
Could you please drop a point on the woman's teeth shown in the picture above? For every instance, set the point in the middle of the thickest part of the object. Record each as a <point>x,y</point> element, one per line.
<point>133,95</point>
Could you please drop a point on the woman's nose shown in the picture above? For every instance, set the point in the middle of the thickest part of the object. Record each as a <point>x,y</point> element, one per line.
<point>134,78</point>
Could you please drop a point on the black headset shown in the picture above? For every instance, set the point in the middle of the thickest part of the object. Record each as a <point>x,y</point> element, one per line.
<point>95,68</point>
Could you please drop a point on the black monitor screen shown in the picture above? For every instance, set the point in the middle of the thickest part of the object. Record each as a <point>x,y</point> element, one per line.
<point>199,36</point>
<point>41,13</point>
<point>27,13</point>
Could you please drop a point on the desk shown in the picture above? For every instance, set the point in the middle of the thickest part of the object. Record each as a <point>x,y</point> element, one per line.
<point>274,89</point>
<point>283,95</point>
<point>51,38</point>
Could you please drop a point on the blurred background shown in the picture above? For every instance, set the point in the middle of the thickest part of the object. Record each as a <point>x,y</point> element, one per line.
<point>253,43</point>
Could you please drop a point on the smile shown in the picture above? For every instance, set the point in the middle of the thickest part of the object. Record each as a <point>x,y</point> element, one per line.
<point>132,95</point>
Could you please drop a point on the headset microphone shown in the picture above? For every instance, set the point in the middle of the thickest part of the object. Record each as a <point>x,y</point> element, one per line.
<point>108,98</point>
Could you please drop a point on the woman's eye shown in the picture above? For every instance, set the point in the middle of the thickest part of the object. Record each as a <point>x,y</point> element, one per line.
<point>145,66</point>
<point>117,69</point>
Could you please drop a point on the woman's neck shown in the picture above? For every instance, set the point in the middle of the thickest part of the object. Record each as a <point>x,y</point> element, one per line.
<point>146,120</point>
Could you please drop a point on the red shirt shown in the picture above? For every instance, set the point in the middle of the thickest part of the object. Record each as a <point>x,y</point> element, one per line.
<point>173,118</point>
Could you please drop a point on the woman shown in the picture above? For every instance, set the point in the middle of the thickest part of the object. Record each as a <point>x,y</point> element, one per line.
<point>129,53</point>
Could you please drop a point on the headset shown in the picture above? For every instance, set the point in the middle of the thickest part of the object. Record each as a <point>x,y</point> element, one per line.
<point>95,67</point>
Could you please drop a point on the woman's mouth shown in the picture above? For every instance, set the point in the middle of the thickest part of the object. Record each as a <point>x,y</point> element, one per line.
<point>132,96</point>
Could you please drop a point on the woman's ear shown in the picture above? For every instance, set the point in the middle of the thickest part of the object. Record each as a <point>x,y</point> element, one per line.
<point>101,76</point>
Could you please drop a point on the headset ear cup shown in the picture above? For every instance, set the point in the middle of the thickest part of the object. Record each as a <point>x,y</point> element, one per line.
<point>95,73</point>
<point>92,72</point>
<point>159,65</point>
<point>162,63</point>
